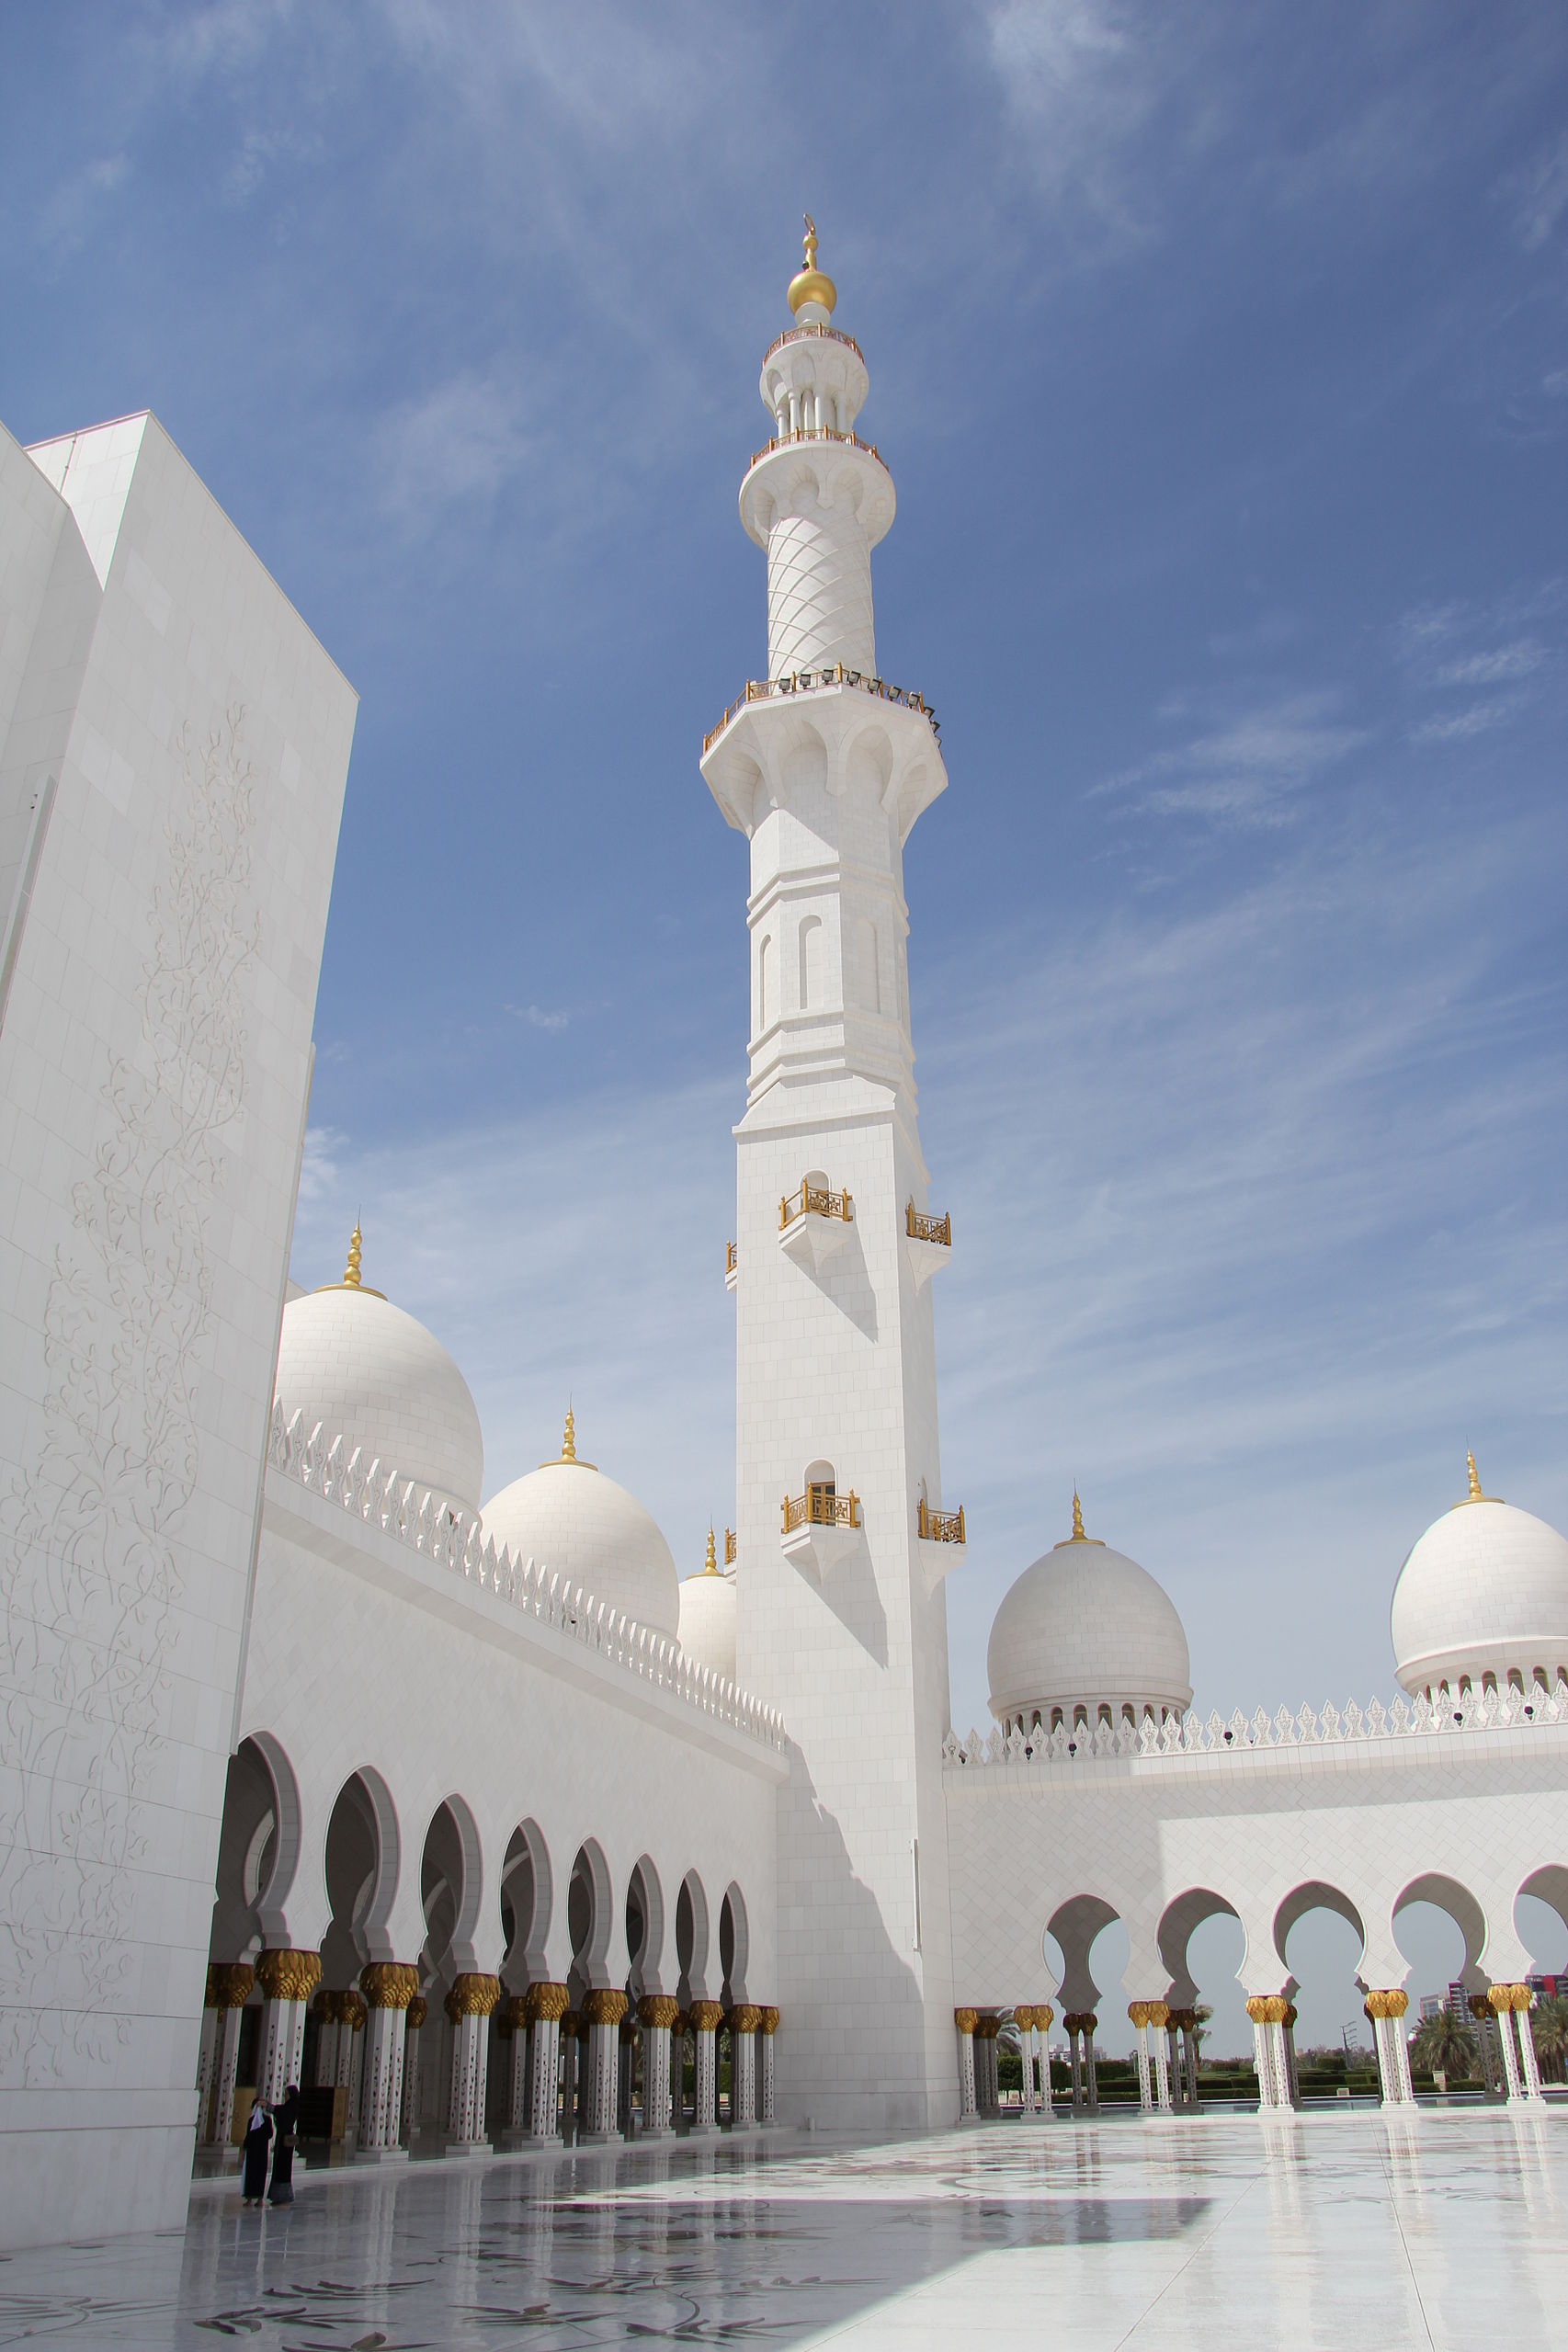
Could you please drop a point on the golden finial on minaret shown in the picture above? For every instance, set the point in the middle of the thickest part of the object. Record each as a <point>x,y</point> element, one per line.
<point>351,1271</point>
<point>811,284</point>
<point>710,1565</point>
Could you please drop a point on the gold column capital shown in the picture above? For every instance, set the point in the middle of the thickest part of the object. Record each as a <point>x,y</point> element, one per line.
<point>472,1995</point>
<point>987,2028</point>
<point>966,2020</point>
<point>288,1975</point>
<point>604,2007</point>
<point>769,2021</point>
<point>544,2004</point>
<point>658,2010</point>
<point>389,1984</point>
<point>1510,1996</point>
<point>229,1984</point>
<point>706,2015</point>
<point>418,2010</point>
<point>1269,2008</point>
<point>1388,2001</point>
<point>745,2018</point>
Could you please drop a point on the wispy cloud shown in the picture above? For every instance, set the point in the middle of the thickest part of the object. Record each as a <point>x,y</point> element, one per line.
<point>1459,726</point>
<point>1540,194</point>
<point>537,1017</point>
<point>457,446</point>
<point>1246,773</point>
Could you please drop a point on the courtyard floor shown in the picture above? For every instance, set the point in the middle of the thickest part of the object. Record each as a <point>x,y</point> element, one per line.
<point>1329,2230</point>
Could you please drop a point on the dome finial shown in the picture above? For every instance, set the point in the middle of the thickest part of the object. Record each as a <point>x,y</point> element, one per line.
<point>710,1565</point>
<point>356,1245</point>
<point>810,289</point>
<point>1475,1494</point>
<point>1078,1536</point>
<point>569,1439</point>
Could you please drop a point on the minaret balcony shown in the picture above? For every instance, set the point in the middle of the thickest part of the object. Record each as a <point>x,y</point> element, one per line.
<point>731,1265</point>
<point>810,681</point>
<point>800,334</point>
<point>941,1541</point>
<point>929,1241</point>
<point>805,433</point>
<point>814,1222</point>
<point>821,1526</point>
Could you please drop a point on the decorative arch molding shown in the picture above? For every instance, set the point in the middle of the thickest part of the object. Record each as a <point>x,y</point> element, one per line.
<point>1075,1924</point>
<point>529,1883</point>
<point>1179,1921</point>
<point>272,1900</point>
<point>647,1962</point>
<point>1449,1895</point>
<point>693,1939</point>
<point>734,1945</point>
<point>590,1955</point>
<point>1316,1894</point>
<point>366,1788</point>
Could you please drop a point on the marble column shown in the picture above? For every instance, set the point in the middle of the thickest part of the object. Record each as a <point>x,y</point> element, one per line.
<point>509,2065</point>
<point>1044,2018</point>
<point>1288,2051</point>
<point>1091,2076</point>
<point>1386,2007</point>
<point>1510,2004</point>
<point>388,1987</point>
<point>1138,2011</point>
<point>1159,2021</point>
<point>1023,2021</point>
<point>1485,2024</point>
<point>966,2021</point>
<point>656,2014</point>
<point>1173,2058</point>
<point>571,2051</point>
<point>985,2032</point>
<point>544,2006</point>
<point>469,2005</point>
<point>230,1981</point>
<point>766,2110</point>
<point>328,2018</point>
<point>352,2012</point>
<point>1074,2023</point>
<point>705,2017</point>
<point>745,2019</point>
<point>418,2010</point>
<point>625,2080</point>
<point>206,2059</point>
<point>602,2011</point>
<point>287,1980</point>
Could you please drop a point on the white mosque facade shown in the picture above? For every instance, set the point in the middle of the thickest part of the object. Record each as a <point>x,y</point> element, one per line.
<point>466,1813</point>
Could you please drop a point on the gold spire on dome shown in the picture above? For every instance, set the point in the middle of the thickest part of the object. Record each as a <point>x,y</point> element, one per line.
<point>811,284</point>
<point>351,1280</point>
<point>710,1565</point>
<point>1077,1535</point>
<point>569,1448</point>
<point>1475,1494</point>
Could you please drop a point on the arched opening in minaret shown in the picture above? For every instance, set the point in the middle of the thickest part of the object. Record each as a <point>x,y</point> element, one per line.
<point>765,984</point>
<point>811,953</point>
<point>822,1486</point>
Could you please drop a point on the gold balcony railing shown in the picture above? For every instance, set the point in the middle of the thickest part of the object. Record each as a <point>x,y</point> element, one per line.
<point>798,334</point>
<point>802,681</point>
<point>816,433</point>
<point>731,1256</point>
<point>819,1507</point>
<point>940,1526</point>
<point>729,1547</point>
<point>815,1201</point>
<point>922,1228</point>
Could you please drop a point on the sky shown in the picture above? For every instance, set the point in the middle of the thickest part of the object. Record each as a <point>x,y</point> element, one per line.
<point>1221,358</point>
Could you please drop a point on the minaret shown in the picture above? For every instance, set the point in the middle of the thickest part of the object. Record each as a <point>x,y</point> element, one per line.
<point>842,1542</point>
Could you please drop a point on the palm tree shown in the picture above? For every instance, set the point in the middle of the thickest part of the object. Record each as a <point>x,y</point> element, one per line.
<point>1444,2044</point>
<point>1549,2025</point>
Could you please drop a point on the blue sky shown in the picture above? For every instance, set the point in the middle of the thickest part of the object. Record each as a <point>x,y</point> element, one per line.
<point>1221,357</point>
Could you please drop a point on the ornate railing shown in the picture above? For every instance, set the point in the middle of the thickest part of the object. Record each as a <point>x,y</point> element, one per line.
<point>798,333</point>
<point>802,681</point>
<point>815,1201</point>
<point>921,1228</point>
<point>454,1540</point>
<point>940,1526</point>
<point>1443,1718</point>
<point>816,433</point>
<point>731,1256</point>
<point>729,1547</point>
<point>818,1508</point>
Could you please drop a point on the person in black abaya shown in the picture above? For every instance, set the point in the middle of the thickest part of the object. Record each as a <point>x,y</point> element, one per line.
<point>257,2140</point>
<point>287,2117</point>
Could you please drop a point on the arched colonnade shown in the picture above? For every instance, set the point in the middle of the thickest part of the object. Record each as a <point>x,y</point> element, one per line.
<point>464,1988</point>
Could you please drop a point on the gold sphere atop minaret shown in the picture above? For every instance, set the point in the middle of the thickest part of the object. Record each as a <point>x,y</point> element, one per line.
<point>811,284</point>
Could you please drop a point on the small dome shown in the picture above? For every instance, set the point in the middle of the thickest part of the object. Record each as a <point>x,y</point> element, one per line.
<point>1484,1591</point>
<point>1086,1629</point>
<point>708,1617</point>
<point>811,289</point>
<point>569,1517</point>
<point>370,1374</point>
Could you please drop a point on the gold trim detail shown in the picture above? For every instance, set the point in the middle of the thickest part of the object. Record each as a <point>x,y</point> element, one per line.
<point>966,2020</point>
<point>922,1228</point>
<point>939,1526</point>
<point>817,1507</point>
<point>771,2020</point>
<point>745,2018</point>
<point>472,1995</point>
<point>546,2002</point>
<point>707,2016</point>
<point>604,2008</point>
<point>229,1984</point>
<point>800,681</point>
<point>729,1547</point>
<point>418,2010</point>
<point>389,1984</point>
<point>658,2011</point>
<point>815,1201</point>
<point>288,1975</point>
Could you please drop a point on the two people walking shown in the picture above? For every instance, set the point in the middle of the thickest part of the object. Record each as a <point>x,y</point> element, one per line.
<point>283,2118</point>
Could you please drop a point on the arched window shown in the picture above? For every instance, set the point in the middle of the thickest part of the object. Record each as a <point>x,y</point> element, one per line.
<point>810,962</point>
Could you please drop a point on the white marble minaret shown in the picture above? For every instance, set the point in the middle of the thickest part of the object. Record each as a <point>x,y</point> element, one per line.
<point>842,1542</point>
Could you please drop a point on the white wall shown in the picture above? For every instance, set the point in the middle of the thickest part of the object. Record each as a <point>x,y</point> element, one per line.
<point>153,1064</point>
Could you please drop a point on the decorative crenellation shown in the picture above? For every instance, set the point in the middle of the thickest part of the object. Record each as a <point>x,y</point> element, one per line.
<point>453,1539</point>
<point>1483,1710</point>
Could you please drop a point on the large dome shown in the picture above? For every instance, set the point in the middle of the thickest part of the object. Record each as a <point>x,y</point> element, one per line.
<point>371,1374</point>
<point>1084,1632</point>
<point>1484,1591</point>
<point>569,1517</point>
<point>708,1617</point>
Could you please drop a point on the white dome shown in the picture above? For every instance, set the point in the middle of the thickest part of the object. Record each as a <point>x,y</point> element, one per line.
<point>569,1517</point>
<point>1085,1628</point>
<point>371,1374</point>
<point>708,1620</point>
<point>1485,1591</point>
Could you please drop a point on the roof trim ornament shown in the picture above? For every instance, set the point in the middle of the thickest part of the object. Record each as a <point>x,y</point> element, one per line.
<point>351,1280</point>
<point>569,1449</point>
<point>1475,1494</point>
<point>811,284</point>
<point>1077,1535</point>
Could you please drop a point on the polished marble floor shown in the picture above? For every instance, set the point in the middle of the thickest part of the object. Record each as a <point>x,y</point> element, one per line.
<point>1328,2230</point>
